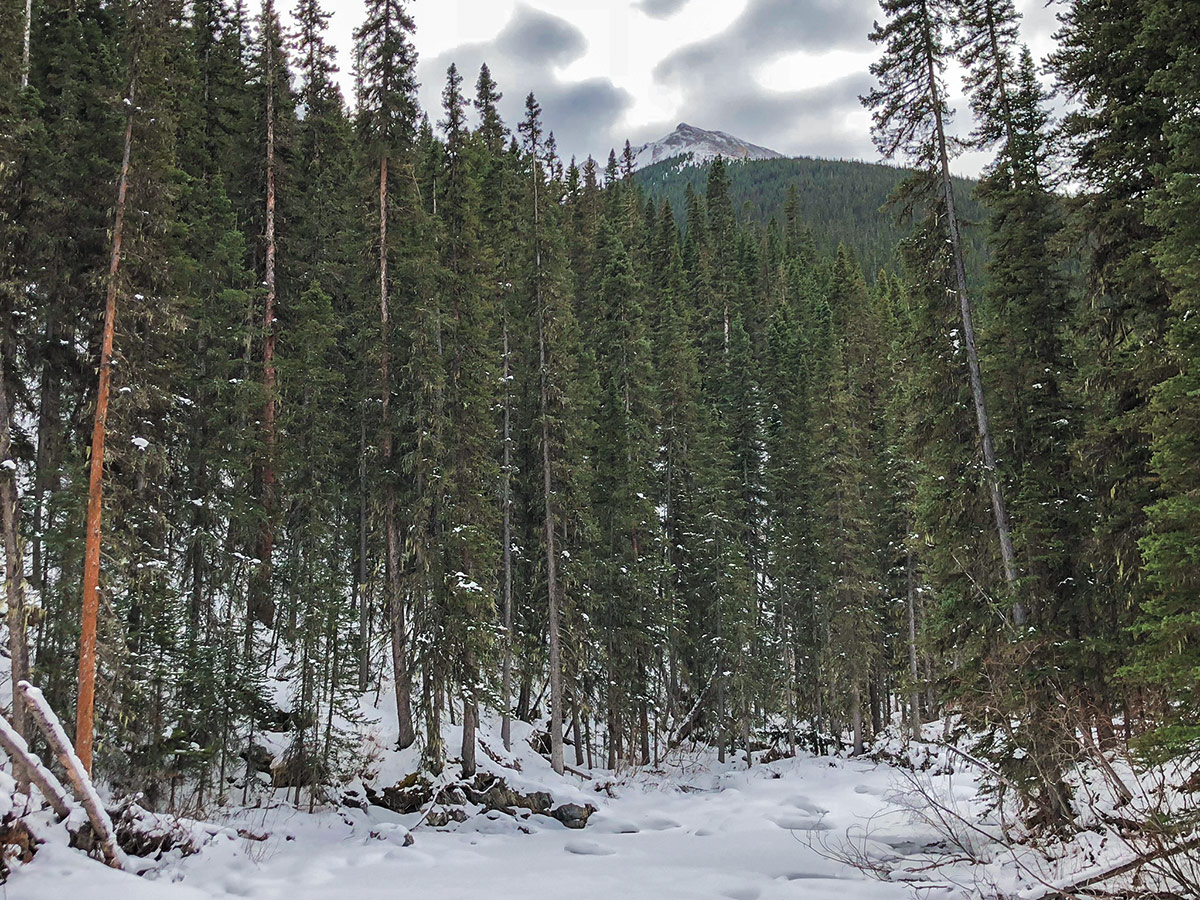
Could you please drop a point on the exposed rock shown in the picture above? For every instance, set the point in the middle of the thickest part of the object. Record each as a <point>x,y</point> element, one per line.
<point>440,818</point>
<point>491,792</point>
<point>406,796</point>
<point>573,815</point>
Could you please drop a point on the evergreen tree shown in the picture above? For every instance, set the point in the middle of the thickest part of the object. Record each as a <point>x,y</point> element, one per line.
<point>387,110</point>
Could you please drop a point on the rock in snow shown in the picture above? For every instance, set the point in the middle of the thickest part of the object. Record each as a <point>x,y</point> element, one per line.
<point>700,146</point>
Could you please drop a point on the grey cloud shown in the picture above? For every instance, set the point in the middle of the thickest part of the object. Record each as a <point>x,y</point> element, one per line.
<point>720,91</point>
<point>532,34</point>
<point>661,9</point>
<point>523,58</point>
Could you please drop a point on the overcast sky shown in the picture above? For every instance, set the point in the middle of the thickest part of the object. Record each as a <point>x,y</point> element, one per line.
<point>785,74</point>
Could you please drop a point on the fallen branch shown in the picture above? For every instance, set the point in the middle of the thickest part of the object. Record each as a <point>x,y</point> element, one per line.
<point>18,751</point>
<point>85,791</point>
<point>1069,890</point>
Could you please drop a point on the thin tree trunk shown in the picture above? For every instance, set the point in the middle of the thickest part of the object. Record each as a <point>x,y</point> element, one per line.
<point>394,597</point>
<point>14,561</point>
<point>85,704</point>
<point>556,712</point>
<point>25,44</point>
<point>914,705</point>
<point>999,509</point>
<point>263,607</point>
<point>506,675</point>
<point>364,612</point>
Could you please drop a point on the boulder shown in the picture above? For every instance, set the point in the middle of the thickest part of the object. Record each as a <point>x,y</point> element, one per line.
<point>573,815</point>
<point>440,818</point>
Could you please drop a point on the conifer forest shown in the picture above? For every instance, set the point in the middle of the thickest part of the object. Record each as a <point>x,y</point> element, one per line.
<point>356,456</point>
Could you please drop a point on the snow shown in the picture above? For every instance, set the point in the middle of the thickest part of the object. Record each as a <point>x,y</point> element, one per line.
<point>696,147</point>
<point>699,830</point>
<point>909,820</point>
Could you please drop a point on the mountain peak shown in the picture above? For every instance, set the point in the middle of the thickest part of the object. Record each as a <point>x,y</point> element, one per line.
<point>699,146</point>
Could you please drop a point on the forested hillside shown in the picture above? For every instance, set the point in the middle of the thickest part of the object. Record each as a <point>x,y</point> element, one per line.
<point>848,199</point>
<point>308,402</point>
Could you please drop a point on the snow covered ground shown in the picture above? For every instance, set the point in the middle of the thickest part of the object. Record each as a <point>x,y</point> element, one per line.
<point>696,831</point>
<point>811,827</point>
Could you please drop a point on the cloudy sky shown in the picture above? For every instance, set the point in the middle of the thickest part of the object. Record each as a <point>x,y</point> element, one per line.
<point>785,74</point>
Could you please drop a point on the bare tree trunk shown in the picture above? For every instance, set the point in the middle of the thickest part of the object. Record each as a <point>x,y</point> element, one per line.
<point>556,711</point>
<point>914,704</point>
<point>25,44</point>
<point>364,612</point>
<point>14,560</point>
<point>262,605</point>
<point>1020,614</point>
<point>394,596</point>
<point>470,721</point>
<point>556,717</point>
<point>506,675</point>
<point>856,718</point>
<point>85,704</point>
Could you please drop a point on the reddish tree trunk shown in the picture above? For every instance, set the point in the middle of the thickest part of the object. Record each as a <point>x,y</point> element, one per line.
<point>85,705</point>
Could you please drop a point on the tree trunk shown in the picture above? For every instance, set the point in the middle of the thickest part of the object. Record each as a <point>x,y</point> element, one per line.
<point>262,605</point>
<point>914,704</point>
<point>394,597</point>
<point>85,704</point>
<point>999,510</point>
<point>364,610</point>
<point>14,560</point>
<point>556,712</point>
<point>470,720</point>
<point>856,718</point>
<point>25,44</point>
<point>506,675</point>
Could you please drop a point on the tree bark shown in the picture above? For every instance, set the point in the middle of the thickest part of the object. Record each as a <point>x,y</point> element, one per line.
<point>85,704</point>
<point>470,721</point>
<point>394,597</point>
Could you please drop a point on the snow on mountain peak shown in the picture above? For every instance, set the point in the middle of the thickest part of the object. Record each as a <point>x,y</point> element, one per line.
<point>700,145</point>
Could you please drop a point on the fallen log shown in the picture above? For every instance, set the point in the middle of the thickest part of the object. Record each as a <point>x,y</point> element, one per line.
<point>18,751</point>
<point>85,791</point>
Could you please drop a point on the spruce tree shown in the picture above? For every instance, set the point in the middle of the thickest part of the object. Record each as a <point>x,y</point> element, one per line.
<point>387,111</point>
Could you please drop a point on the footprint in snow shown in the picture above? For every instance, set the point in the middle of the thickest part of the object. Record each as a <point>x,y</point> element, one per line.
<point>742,893</point>
<point>805,805</point>
<point>587,848</point>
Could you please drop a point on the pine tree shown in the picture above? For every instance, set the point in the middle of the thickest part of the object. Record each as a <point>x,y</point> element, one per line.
<point>910,118</point>
<point>1171,625</point>
<point>387,104</point>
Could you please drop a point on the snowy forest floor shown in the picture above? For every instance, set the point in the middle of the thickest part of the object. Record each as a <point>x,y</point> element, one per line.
<point>812,827</point>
